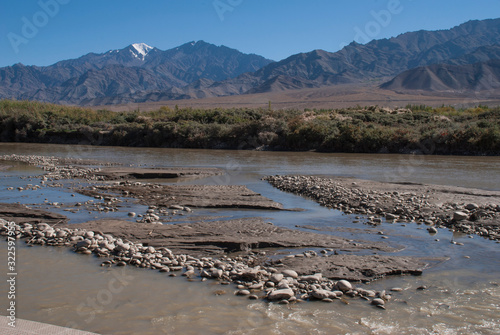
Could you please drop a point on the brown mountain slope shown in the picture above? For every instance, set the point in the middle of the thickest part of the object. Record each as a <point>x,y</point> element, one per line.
<point>445,77</point>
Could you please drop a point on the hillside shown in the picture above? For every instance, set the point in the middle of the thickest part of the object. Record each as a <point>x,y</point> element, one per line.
<point>445,77</point>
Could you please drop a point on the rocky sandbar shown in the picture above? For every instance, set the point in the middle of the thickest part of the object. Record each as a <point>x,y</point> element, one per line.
<point>471,211</point>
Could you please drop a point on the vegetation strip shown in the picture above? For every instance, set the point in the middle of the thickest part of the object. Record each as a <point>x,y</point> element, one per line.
<point>414,129</point>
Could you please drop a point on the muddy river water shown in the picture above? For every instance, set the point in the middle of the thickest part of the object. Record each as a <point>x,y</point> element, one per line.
<point>57,286</point>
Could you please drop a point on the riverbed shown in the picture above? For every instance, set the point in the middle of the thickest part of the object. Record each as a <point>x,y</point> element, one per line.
<point>60,287</point>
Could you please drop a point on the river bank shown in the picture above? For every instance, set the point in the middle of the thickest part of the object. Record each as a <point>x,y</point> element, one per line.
<point>369,129</point>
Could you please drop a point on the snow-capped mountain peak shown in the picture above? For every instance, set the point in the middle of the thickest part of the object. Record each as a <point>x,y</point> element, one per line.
<point>141,50</point>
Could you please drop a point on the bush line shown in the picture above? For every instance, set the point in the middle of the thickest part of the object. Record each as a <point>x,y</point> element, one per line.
<point>414,129</point>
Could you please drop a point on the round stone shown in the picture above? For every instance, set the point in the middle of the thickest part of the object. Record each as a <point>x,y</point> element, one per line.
<point>290,273</point>
<point>344,285</point>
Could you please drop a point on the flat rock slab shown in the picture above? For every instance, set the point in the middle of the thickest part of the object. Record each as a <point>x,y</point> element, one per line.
<point>205,196</point>
<point>117,173</point>
<point>358,267</point>
<point>205,238</point>
<point>22,214</point>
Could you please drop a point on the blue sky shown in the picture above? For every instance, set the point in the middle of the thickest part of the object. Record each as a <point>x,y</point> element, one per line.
<point>42,32</point>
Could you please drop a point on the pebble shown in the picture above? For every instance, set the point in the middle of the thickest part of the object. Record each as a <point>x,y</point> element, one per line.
<point>378,302</point>
<point>258,286</point>
<point>280,294</point>
<point>243,292</point>
<point>460,216</point>
<point>432,230</point>
<point>391,217</point>
<point>344,285</point>
<point>324,294</point>
<point>471,206</point>
<point>316,278</point>
<point>276,277</point>
<point>188,273</point>
<point>290,273</point>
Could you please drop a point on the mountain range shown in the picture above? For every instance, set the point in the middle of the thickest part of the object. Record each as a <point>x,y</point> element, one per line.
<point>462,58</point>
<point>134,70</point>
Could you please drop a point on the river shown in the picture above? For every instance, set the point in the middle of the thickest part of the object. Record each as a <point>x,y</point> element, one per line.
<point>57,286</point>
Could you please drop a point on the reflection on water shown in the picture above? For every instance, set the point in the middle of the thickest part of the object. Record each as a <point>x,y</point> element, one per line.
<point>63,288</point>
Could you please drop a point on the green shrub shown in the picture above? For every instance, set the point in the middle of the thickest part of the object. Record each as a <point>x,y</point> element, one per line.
<point>359,129</point>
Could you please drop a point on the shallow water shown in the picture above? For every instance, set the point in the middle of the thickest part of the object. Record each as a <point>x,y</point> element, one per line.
<point>59,287</point>
<point>243,166</point>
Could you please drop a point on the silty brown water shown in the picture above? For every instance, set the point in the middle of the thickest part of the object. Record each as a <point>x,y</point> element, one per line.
<point>463,297</point>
